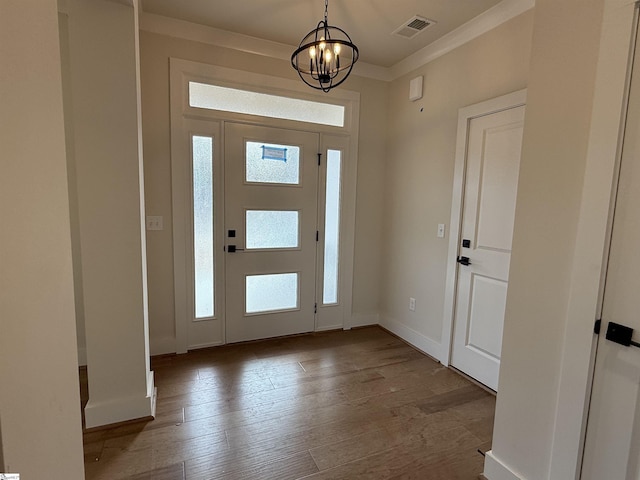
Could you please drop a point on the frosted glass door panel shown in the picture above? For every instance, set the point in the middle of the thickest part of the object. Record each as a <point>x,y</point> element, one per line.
<point>268,163</point>
<point>271,293</point>
<point>272,229</point>
<point>331,228</point>
<point>202,153</point>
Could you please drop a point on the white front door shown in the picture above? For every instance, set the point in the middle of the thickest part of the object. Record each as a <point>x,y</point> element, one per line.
<point>491,180</point>
<point>612,448</point>
<point>271,183</point>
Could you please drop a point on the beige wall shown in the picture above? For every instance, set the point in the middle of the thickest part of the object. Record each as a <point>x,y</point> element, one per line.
<point>564,58</point>
<point>155,53</point>
<point>419,170</point>
<point>39,395</point>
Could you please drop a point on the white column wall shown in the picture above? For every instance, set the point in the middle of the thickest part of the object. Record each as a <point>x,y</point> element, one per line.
<point>569,149</point>
<point>39,393</point>
<point>105,98</point>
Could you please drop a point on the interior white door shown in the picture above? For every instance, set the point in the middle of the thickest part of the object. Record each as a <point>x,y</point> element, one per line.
<point>612,447</point>
<point>491,180</point>
<point>271,181</point>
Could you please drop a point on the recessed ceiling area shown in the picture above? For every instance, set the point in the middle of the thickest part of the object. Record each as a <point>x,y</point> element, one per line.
<point>370,23</point>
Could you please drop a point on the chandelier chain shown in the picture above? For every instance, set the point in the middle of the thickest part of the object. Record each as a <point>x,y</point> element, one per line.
<point>326,8</point>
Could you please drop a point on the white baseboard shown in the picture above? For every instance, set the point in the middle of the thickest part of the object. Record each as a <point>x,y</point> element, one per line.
<point>198,346</point>
<point>82,356</point>
<point>162,345</point>
<point>116,410</point>
<point>417,339</point>
<point>328,328</point>
<point>364,320</point>
<point>494,469</point>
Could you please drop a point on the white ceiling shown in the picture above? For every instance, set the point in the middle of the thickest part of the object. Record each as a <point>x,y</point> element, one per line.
<point>370,23</point>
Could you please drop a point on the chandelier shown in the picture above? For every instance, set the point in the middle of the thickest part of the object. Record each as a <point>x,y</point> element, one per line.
<point>325,56</point>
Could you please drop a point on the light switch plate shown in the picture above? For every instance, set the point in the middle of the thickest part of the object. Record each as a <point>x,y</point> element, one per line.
<point>155,223</point>
<point>441,230</point>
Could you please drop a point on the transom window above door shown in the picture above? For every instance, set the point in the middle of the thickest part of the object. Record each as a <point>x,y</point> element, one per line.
<point>215,97</point>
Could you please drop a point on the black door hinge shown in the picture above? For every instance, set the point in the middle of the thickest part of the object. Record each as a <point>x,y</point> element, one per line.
<point>319,159</point>
<point>315,308</point>
<point>317,235</point>
<point>596,327</point>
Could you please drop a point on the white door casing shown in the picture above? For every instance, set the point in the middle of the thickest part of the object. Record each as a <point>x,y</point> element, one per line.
<point>254,312</point>
<point>483,207</point>
<point>612,445</point>
<point>183,114</point>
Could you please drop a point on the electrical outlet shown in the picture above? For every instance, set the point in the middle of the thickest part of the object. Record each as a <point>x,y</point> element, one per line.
<point>441,230</point>
<point>155,223</point>
<point>412,304</point>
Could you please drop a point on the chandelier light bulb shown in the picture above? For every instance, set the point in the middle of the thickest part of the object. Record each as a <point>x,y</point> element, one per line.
<point>325,56</point>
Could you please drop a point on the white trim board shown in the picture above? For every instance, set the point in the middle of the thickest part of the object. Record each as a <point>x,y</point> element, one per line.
<point>486,21</point>
<point>413,337</point>
<point>82,356</point>
<point>494,469</point>
<point>173,27</point>
<point>465,115</point>
<point>124,408</point>
<point>181,72</point>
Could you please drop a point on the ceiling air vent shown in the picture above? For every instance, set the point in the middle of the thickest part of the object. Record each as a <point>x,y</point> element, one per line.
<point>413,27</point>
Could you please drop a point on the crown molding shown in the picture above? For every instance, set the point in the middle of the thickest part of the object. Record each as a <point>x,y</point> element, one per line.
<point>172,27</point>
<point>196,32</point>
<point>486,21</point>
<point>502,12</point>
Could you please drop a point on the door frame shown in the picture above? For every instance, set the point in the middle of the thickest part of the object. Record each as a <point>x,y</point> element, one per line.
<point>465,115</point>
<point>180,73</point>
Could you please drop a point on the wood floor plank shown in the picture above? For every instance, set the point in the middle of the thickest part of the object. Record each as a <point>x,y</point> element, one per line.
<point>398,459</point>
<point>409,421</point>
<point>331,405</point>
<point>172,472</point>
<point>289,468</point>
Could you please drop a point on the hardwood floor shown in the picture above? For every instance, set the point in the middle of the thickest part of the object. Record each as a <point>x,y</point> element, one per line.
<point>335,405</point>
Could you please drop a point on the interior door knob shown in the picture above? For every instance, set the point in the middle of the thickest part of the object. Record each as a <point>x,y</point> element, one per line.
<point>464,261</point>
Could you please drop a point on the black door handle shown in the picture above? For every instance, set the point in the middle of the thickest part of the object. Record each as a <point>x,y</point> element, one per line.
<point>620,334</point>
<point>233,249</point>
<point>464,261</point>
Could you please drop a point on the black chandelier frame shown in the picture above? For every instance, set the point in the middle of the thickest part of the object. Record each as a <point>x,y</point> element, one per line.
<point>319,74</point>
